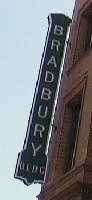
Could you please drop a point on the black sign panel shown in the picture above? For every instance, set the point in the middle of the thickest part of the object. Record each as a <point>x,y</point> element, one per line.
<point>31,162</point>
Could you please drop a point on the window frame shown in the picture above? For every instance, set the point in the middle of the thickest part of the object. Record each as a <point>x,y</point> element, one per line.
<point>84,14</point>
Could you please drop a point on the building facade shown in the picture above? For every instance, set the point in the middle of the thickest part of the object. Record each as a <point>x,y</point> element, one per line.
<point>69,167</point>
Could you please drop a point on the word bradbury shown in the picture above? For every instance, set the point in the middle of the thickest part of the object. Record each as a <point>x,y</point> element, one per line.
<point>31,162</point>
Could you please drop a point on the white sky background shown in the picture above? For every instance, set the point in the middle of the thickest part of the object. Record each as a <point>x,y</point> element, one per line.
<point>23,29</point>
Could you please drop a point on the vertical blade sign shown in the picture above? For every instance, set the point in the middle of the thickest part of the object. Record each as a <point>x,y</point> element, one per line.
<point>31,162</point>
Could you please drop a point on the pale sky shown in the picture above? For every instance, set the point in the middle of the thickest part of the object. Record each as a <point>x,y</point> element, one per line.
<point>23,29</point>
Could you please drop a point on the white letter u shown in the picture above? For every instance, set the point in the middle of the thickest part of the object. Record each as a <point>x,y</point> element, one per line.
<point>44,115</point>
